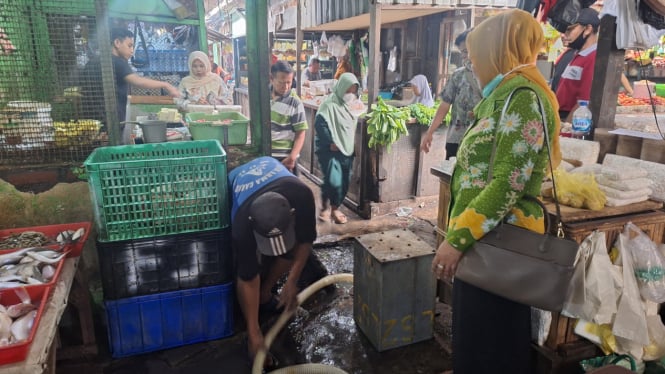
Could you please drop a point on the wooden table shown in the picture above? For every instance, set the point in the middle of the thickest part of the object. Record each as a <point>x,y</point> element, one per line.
<point>42,353</point>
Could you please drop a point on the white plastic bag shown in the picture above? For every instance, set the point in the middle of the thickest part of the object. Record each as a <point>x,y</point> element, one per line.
<point>649,264</point>
<point>324,39</point>
<point>632,33</point>
<point>392,60</point>
<point>630,324</point>
<point>656,348</point>
<point>540,325</point>
<point>593,294</point>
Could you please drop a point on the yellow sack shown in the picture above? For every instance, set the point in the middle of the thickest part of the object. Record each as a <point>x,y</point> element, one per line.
<point>578,190</point>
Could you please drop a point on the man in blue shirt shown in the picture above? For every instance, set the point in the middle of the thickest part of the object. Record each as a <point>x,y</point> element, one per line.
<point>273,227</point>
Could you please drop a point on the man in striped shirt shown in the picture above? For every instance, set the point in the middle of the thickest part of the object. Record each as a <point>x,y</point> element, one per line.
<point>287,117</point>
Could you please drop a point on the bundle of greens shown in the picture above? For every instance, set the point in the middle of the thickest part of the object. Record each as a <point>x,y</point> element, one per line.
<point>422,113</point>
<point>385,124</point>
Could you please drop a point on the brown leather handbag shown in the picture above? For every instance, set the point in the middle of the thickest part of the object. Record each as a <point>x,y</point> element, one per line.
<point>518,264</point>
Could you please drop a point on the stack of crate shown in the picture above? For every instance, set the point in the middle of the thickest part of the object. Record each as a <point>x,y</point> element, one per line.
<point>162,216</point>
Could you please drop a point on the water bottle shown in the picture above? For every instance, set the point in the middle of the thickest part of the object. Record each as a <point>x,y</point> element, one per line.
<point>582,120</point>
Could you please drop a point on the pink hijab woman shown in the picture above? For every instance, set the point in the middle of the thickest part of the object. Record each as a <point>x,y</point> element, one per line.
<point>202,86</point>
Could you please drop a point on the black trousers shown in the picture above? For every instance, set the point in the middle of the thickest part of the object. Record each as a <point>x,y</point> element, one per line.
<point>490,334</point>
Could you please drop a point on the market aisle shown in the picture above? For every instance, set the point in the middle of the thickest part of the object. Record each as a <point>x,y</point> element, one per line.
<point>326,333</point>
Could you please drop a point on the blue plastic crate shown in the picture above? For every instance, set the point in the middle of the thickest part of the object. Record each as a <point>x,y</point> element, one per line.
<point>151,323</point>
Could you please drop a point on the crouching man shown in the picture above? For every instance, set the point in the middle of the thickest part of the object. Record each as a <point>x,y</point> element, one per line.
<point>273,228</point>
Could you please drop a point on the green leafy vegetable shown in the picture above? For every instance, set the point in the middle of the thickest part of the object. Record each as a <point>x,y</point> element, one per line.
<point>422,113</point>
<point>385,124</point>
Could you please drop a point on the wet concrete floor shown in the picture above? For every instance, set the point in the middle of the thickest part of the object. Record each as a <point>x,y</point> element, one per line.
<point>323,330</point>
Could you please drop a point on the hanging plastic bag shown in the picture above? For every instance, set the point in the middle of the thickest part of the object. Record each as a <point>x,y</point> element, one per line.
<point>564,13</point>
<point>324,40</point>
<point>655,350</point>
<point>630,324</point>
<point>649,264</point>
<point>392,60</point>
<point>632,33</point>
<point>593,294</point>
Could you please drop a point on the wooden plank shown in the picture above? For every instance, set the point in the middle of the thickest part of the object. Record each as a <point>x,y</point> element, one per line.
<point>160,100</point>
<point>607,73</point>
<point>570,214</point>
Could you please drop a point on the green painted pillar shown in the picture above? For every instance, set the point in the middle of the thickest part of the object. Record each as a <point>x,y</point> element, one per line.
<point>258,61</point>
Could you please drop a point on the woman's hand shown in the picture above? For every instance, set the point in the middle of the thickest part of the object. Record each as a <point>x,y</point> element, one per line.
<point>426,143</point>
<point>333,147</point>
<point>444,264</point>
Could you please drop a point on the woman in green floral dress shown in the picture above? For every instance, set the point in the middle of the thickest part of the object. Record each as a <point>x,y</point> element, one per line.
<point>492,334</point>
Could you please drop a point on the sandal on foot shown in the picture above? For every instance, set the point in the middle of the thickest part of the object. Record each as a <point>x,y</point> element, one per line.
<point>270,306</point>
<point>324,216</point>
<point>339,217</point>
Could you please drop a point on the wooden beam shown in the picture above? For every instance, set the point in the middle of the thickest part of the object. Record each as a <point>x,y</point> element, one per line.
<point>299,39</point>
<point>606,76</point>
<point>374,52</point>
<point>258,61</point>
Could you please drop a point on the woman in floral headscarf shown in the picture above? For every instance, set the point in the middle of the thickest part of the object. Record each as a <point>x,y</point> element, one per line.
<point>202,86</point>
<point>492,334</point>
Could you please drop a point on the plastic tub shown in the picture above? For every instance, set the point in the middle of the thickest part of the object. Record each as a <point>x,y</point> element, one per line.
<point>230,128</point>
<point>153,131</point>
<point>660,89</point>
<point>386,95</point>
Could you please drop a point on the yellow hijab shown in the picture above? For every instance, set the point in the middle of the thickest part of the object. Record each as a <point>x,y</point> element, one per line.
<point>505,41</point>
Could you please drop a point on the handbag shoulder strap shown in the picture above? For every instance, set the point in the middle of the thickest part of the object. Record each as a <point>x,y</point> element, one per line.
<point>549,157</point>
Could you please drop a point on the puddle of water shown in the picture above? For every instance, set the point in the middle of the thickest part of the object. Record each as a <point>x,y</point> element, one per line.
<point>326,333</point>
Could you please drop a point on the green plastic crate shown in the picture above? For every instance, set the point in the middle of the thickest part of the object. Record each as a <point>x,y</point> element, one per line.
<point>141,191</point>
<point>208,126</point>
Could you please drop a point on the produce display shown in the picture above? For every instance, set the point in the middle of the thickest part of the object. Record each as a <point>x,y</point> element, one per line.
<point>423,114</point>
<point>385,124</point>
<point>83,131</point>
<point>625,100</point>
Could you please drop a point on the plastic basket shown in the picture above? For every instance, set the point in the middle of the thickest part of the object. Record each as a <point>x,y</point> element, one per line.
<point>660,89</point>
<point>168,263</point>
<point>150,323</point>
<point>149,190</point>
<point>19,351</point>
<point>215,126</point>
<point>51,232</point>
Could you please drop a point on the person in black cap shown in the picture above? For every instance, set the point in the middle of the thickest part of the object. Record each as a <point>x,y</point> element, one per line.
<point>273,227</point>
<point>575,81</point>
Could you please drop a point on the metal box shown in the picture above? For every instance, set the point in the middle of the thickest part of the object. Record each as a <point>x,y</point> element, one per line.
<point>394,288</point>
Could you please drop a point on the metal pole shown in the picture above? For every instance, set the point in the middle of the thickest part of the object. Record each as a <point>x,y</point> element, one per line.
<point>258,59</point>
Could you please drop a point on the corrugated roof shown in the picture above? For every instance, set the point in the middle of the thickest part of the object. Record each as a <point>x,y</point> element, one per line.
<point>387,16</point>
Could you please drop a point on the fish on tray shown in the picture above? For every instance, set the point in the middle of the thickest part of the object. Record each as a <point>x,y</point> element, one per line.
<point>38,239</point>
<point>17,320</point>
<point>27,266</point>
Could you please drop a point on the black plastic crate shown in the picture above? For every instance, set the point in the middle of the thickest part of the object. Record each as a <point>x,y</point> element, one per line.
<point>167,263</point>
